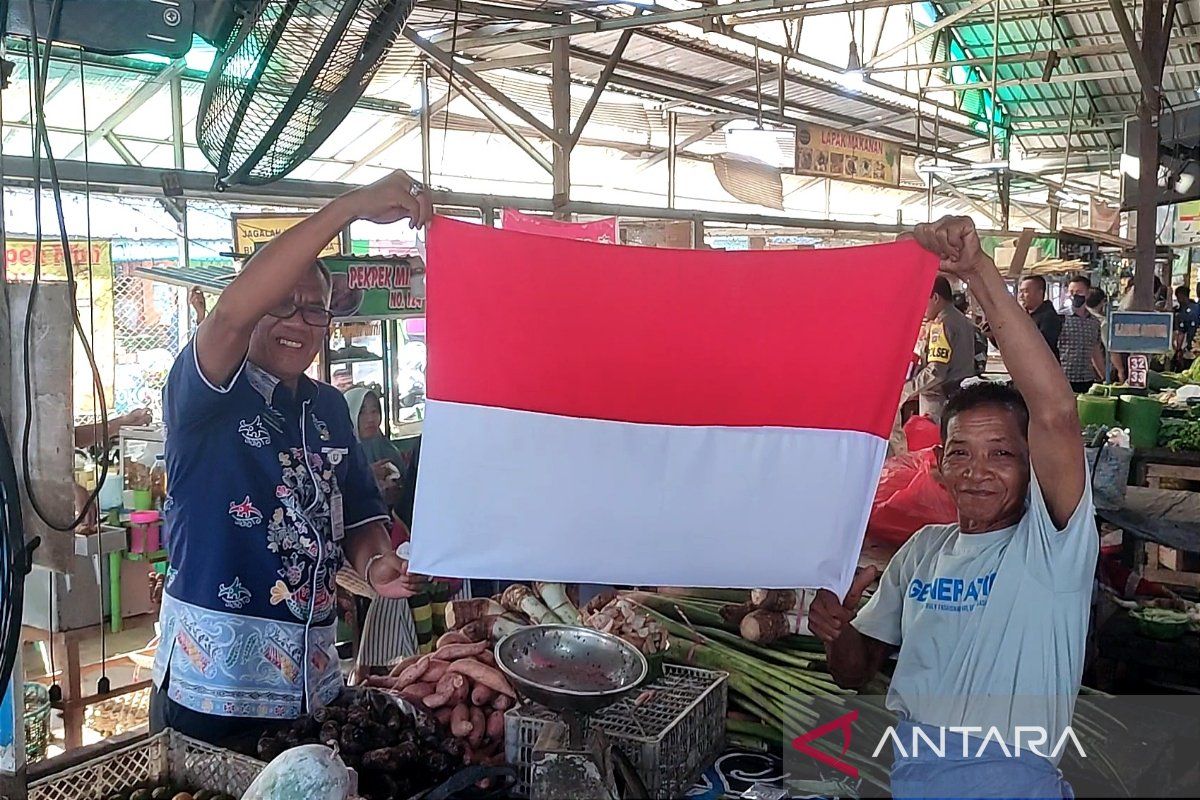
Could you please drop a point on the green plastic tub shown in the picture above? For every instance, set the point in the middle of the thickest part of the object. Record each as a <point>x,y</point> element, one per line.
<point>1095,410</point>
<point>1142,416</point>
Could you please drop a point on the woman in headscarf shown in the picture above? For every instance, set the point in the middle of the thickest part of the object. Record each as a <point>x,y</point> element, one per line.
<point>366,412</point>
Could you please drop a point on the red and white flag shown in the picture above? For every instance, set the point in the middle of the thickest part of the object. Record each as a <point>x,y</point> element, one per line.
<point>607,414</point>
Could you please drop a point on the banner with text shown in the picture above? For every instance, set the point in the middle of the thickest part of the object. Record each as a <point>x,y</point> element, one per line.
<point>252,231</point>
<point>832,153</point>
<point>602,230</point>
<point>19,258</point>
<point>375,288</point>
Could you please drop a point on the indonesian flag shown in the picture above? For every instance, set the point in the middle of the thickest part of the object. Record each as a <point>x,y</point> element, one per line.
<point>625,415</point>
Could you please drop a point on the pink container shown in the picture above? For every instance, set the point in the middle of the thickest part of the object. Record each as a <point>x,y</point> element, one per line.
<point>143,532</point>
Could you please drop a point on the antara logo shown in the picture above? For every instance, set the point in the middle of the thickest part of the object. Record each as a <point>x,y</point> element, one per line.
<point>842,723</point>
<point>974,742</point>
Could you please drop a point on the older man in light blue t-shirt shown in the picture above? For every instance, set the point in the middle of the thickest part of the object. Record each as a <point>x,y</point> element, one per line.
<point>990,614</point>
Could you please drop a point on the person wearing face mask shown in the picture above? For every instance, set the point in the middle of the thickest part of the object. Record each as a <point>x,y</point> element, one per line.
<point>270,493</point>
<point>1079,350</point>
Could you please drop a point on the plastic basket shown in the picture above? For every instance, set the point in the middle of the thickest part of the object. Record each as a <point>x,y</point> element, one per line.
<point>165,756</point>
<point>37,721</point>
<point>669,740</point>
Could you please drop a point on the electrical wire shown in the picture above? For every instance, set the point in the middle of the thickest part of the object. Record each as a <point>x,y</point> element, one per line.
<point>14,554</point>
<point>42,140</point>
<point>449,82</point>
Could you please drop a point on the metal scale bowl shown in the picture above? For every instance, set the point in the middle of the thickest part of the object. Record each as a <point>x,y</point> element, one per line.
<point>574,672</point>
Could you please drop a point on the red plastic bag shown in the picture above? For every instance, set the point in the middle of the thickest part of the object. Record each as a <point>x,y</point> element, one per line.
<point>910,496</point>
<point>921,433</point>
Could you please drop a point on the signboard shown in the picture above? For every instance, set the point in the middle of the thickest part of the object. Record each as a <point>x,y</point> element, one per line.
<point>252,231</point>
<point>19,257</point>
<point>603,230</point>
<point>375,288</point>
<point>1140,332</point>
<point>1139,369</point>
<point>831,153</point>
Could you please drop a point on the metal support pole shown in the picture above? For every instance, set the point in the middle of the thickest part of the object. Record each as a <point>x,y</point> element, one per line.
<point>672,124</point>
<point>426,126</point>
<point>177,120</point>
<point>698,233</point>
<point>995,99</point>
<point>781,90</point>
<point>491,116</point>
<point>560,105</point>
<point>185,252</point>
<point>1153,53</point>
<point>1006,187</point>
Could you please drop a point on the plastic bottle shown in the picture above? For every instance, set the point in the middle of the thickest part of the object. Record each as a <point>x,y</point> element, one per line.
<point>158,482</point>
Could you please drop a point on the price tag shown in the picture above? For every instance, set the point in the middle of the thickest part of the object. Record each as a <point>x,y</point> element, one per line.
<point>1139,367</point>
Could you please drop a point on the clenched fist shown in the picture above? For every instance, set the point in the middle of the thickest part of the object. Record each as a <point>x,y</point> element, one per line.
<point>829,617</point>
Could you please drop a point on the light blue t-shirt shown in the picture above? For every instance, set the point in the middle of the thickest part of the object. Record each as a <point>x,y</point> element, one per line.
<point>992,627</point>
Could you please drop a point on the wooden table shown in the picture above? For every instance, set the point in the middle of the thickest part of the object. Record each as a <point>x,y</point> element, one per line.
<point>1163,526</point>
<point>1148,466</point>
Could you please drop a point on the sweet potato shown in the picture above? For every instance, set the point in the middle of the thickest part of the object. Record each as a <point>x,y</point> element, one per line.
<point>442,715</point>
<point>405,664</point>
<point>460,721</point>
<point>455,686</point>
<point>435,700</point>
<point>453,652</point>
<point>486,657</point>
<point>435,671</point>
<point>482,673</point>
<point>478,726</point>
<point>450,637</point>
<point>495,726</point>
<point>416,692</point>
<point>413,673</point>
<point>502,702</point>
<point>482,696</point>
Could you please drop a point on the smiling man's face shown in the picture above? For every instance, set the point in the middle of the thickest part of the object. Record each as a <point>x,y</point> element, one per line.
<point>985,467</point>
<point>287,347</point>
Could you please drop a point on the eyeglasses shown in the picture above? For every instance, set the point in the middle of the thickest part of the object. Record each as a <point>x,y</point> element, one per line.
<point>316,316</point>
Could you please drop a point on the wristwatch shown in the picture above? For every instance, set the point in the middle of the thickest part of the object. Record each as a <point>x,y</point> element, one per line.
<point>416,188</point>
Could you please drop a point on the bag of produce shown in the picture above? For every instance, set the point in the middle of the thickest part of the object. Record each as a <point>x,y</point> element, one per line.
<point>909,497</point>
<point>308,772</point>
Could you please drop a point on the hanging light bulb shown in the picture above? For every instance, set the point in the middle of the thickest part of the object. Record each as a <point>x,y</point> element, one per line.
<point>853,78</point>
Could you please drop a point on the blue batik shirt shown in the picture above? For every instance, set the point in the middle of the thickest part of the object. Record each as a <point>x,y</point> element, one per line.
<point>248,615</point>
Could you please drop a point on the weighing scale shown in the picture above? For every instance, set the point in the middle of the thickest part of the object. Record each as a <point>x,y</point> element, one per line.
<point>574,672</point>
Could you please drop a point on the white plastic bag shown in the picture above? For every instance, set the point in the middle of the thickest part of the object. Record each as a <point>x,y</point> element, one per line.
<point>308,772</point>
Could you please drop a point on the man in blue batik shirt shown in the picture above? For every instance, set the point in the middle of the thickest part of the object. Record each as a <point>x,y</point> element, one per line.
<point>269,492</point>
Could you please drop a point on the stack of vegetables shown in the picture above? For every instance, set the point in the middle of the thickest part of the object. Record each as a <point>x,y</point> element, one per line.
<point>459,686</point>
<point>783,687</point>
<point>491,619</point>
<point>1181,433</point>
